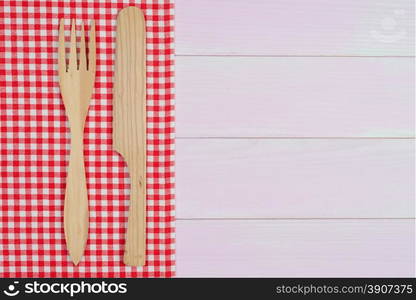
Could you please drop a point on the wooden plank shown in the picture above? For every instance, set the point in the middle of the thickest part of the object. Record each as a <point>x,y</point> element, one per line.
<point>295,97</point>
<point>295,27</point>
<point>295,248</point>
<point>301,178</point>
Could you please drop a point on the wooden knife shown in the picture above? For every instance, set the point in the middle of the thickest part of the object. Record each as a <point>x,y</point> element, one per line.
<point>129,124</point>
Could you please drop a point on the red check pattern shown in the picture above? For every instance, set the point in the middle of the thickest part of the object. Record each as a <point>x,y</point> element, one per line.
<point>35,144</point>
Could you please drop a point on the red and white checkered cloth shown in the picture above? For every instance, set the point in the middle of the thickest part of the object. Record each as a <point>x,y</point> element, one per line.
<point>35,144</point>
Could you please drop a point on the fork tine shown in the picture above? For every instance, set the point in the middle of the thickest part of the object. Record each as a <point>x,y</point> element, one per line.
<point>73,49</point>
<point>92,48</point>
<point>61,48</point>
<point>82,50</point>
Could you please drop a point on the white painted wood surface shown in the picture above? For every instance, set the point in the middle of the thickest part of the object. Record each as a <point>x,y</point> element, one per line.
<point>295,27</point>
<point>295,150</point>
<point>295,248</point>
<point>295,97</point>
<point>303,178</point>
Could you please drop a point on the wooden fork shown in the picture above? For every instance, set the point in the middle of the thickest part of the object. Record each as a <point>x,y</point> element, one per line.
<point>76,81</point>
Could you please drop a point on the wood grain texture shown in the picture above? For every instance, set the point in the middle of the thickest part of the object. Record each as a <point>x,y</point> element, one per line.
<point>129,124</point>
<point>301,178</point>
<point>295,97</point>
<point>288,248</point>
<point>76,81</point>
<point>295,27</point>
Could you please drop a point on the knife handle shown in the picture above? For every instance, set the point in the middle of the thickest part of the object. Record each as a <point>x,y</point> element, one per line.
<point>135,247</point>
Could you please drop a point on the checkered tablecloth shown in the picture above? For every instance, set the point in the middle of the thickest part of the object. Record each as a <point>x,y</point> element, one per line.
<point>35,144</point>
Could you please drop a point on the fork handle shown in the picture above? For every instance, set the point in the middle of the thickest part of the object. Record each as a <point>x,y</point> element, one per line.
<point>76,199</point>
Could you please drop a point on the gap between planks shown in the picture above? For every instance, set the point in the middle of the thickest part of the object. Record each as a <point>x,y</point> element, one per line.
<point>295,56</point>
<point>293,138</point>
<point>287,219</point>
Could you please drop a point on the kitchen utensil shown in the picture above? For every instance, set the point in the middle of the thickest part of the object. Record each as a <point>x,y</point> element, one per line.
<point>129,124</point>
<point>76,81</point>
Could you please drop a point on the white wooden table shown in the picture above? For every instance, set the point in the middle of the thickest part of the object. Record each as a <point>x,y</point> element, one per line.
<point>295,138</point>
